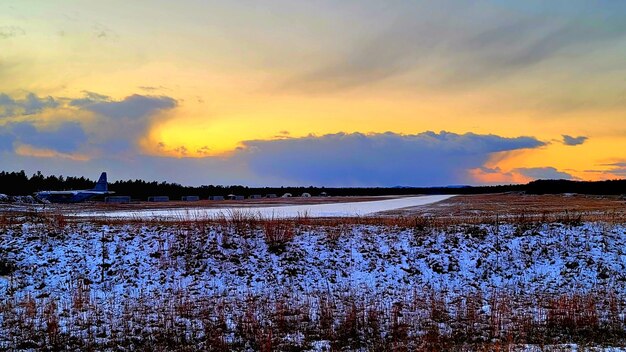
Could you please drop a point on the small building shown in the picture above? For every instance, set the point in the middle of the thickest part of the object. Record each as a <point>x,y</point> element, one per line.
<point>216,197</point>
<point>255,196</point>
<point>235,197</point>
<point>323,194</point>
<point>190,198</point>
<point>271,195</point>
<point>159,199</point>
<point>305,195</point>
<point>117,199</point>
<point>287,195</point>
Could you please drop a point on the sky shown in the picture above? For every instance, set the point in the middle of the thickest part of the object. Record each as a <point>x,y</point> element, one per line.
<point>323,93</point>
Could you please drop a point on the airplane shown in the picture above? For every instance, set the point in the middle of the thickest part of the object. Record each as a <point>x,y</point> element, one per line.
<point>76,196</point>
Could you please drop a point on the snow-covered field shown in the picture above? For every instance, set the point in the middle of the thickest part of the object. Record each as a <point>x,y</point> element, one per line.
<point>122,259</point>
<point>286,211</point>
<point>307,284</point>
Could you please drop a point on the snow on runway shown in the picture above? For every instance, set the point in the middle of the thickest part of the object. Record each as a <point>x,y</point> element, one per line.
<point>287,211</point>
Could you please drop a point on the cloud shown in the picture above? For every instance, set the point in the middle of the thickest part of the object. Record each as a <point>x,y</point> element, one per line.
<point>66,137</point>
<point>111,126</point>
<point>572,141</point>
<point>134,114</point>
<point>31,151</point>
<point>532,56</point>
<point>486,175</point>
<point>134,107</point>
<point>6,140</point>
<point>536,173</point>
<point>31,104</point>
<point>617,169</point>
<point>386,159</point>
<point>618,164</point>
<point>103,32</point>
<point>90,98</point>
<point>11,31</point>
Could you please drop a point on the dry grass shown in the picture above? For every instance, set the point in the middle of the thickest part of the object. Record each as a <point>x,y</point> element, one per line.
<point>278,232</point>
<point>521,208</point>
<point>468,209</point>
<point>423,321</point>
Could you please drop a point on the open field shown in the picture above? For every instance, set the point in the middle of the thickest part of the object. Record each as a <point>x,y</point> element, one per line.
<point>491,272</point>
<point>520,207</point>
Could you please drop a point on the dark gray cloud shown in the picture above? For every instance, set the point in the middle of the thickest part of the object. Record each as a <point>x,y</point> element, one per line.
<point>31,104</point>
<point>620,171</point>
<point>34,104</point>
<point>620,164</point>
<point>6,140</point>
<point>618,168</point>
<point>386,159</point>
<point>133,107</point>
<point>544,173</point>
<point>572,141</point>
<point>65,138</point>
<point>90,98</point>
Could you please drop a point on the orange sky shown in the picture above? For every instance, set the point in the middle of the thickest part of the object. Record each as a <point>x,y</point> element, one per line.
<point>240,72</point>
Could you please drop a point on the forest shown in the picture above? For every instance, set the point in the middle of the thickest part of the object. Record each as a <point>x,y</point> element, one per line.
<point>19,183</point>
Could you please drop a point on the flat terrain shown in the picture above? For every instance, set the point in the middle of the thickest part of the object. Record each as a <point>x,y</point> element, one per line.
<point>456,209</point>
<point>322,210</point>
<point>478,208</point>
<point>488,272</point>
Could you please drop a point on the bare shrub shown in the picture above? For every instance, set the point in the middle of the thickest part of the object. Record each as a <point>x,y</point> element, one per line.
<point>277,233</point>
<point>242,223</point>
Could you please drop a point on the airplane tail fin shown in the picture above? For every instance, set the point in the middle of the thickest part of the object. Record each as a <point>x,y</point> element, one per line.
<point>102,183</point>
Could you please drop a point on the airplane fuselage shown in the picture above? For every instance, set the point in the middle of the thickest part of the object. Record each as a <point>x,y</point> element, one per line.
<point>76,196</point>
<point>68,196</point>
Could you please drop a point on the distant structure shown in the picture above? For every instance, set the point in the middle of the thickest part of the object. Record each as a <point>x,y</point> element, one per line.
<point>305,195</point>
<point>271,195</point>
<point>235,197</point>
<point>256,196</point>
<point>76,196</point>
<point>323,194</point>
<point>216,197</point>
<point>190,198</point>
<point>117,199</point>
<point>159,199</point>
<point>287,195</point>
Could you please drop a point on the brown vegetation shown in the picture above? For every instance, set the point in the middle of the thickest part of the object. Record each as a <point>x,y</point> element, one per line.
<point>423,321</point>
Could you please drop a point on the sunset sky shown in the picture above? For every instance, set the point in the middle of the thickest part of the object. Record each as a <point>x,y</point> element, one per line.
<point>334,93</point>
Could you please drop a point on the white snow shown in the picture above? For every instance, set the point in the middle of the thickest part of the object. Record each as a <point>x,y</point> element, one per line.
<point>550,258</point>
<point>380,264</point>
<point>287,211</point>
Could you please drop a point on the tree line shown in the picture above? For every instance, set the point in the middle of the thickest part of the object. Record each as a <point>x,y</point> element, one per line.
<point>19,183</point>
